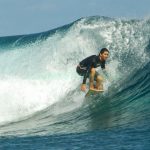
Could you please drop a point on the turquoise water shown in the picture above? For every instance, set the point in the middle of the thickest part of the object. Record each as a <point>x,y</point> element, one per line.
<point>41,105</point>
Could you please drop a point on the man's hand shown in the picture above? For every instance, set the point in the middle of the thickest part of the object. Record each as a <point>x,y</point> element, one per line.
<point>83,87</point>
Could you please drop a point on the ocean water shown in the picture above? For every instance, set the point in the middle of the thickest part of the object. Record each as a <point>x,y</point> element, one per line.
<point>41,105</point>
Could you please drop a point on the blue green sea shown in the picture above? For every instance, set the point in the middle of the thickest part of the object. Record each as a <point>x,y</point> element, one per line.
<point>41,104</point>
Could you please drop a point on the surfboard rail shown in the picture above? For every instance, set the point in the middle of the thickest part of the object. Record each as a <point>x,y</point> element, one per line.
<point>93,92</point>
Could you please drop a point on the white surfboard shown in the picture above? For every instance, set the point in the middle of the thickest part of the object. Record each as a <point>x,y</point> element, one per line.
<point>93,92</point>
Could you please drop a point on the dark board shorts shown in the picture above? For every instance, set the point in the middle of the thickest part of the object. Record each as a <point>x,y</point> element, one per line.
<point>82,72</point>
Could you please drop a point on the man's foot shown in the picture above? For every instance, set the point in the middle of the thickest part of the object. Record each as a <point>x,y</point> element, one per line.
<point>95,89</point>
<point>100,89</point>
<point>92,86</point>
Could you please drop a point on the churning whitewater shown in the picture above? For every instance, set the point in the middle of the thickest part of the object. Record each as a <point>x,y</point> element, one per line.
<point>40,89</point>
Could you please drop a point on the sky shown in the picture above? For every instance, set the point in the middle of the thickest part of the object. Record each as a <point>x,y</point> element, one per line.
<point>33,16</point>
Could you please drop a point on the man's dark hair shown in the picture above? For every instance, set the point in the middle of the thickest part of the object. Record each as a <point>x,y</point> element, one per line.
<point>103,50</point>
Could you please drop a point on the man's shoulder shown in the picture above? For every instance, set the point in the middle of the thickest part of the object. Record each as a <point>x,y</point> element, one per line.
<point>92,56</point>
<point>89,59</point>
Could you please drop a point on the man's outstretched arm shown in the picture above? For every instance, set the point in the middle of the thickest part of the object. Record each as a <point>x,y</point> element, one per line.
<point>83,86</point>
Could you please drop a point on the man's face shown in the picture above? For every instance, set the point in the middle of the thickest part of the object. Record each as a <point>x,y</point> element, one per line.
<point>104,56</point>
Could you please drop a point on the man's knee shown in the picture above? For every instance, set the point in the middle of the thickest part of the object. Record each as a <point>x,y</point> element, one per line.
<point>100,79</point>
<point>93,70</point>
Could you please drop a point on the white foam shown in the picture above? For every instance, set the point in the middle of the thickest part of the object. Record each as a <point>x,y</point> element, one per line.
<point>42,73</point>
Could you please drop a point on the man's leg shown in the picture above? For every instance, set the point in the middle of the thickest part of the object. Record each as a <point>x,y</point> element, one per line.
<point>99,82</point>
<point>92,74</point>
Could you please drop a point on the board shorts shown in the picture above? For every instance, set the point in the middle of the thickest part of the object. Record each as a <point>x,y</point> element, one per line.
<point>82,72</point>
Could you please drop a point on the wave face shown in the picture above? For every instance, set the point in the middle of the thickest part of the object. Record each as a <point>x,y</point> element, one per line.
<point>39,87</point>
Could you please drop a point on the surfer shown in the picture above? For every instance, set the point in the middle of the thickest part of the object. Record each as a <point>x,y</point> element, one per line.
<point>86,68</point>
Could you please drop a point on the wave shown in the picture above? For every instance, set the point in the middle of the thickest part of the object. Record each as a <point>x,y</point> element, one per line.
<point>40,88</point>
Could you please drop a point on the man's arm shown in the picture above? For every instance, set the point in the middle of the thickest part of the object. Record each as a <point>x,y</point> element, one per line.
<point>86,75</point>
<point>83,86</point>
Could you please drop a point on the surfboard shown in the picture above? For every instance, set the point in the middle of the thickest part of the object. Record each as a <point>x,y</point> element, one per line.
<point>93,92</point>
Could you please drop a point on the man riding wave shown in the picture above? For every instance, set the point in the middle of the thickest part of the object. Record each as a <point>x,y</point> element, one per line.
<point>86,68</point>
